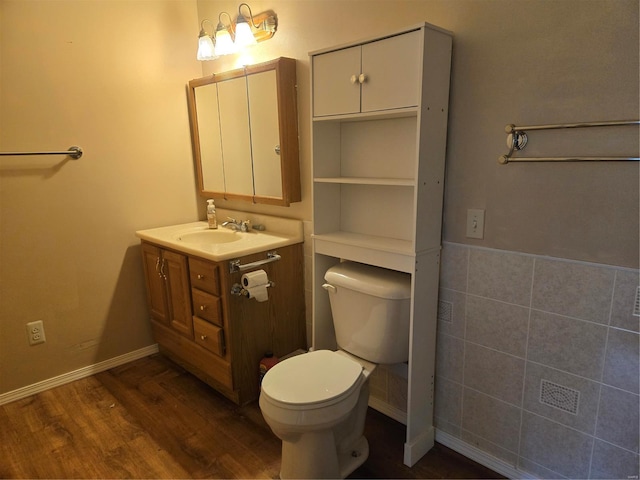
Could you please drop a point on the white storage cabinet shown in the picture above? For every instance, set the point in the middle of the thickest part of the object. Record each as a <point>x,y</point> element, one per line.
<point>379,130</point>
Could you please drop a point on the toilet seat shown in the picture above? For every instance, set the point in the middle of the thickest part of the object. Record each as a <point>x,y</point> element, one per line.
<point>312,380</point>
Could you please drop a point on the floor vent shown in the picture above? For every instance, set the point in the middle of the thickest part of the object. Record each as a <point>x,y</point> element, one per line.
<point>636,306</point>
<point>445,310</point>
<point>557,396</point>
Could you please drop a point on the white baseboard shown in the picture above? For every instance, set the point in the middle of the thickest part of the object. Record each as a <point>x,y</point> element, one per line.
<point>480,457</point>
<point>76,374</point>
<point>455,443</point>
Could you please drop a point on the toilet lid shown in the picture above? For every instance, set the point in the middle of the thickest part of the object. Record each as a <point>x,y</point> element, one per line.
<point>313,377</point>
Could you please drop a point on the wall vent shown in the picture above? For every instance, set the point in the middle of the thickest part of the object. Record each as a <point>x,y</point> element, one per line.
<point>558,396</point>
<point>636,306</point>
<point>445,310</point>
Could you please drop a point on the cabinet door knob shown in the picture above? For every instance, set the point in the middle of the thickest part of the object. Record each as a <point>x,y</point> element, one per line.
<point>362,78</point>
<point>354,79</point>
<point>200,276</point>
<point>203,337</point>
<point>203,308</point>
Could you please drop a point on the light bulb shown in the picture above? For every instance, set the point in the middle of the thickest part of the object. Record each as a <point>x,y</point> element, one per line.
<point>205,48</point>
<point>224,43</point>
<point>244,35</point>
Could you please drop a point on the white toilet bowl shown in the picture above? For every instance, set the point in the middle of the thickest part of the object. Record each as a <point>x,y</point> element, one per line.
<point>316,404</point>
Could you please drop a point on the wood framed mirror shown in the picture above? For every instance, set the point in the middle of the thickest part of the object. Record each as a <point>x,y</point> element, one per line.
<point>244,129</point>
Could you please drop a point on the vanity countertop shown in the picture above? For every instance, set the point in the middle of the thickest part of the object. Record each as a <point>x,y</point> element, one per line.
<point>223,243</point>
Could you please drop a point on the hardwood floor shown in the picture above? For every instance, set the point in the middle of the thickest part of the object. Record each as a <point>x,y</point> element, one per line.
<point>151,419</point>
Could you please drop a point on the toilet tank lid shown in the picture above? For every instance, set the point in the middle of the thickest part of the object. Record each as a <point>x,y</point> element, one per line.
<point>376,281</point>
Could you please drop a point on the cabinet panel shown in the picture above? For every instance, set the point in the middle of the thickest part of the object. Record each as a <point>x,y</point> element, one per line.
<point>194,357</point>
<point>333,91</point>
<point>156,297</point>
<point>204,275</point>
<point>210,140</point>
<point>207,306</point>
<point>377,210</point>
<point>209,336</point>
<point>392,68</point>
<point>234,128</point>
<point>265,134</point>
<point>379,148</point>
<point>177,281</point>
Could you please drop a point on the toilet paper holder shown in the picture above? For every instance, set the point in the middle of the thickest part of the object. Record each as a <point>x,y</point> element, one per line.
<point>239,291</point>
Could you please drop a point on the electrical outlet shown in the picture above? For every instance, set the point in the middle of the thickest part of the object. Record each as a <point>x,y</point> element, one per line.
<point>35,333</point>
<point>475,223</point>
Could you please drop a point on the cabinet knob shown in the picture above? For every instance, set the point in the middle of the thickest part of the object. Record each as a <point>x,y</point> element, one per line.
<point>354,79</point>
<point>200,276</point>
<point>362,78</point>
<point>203,308</point>
<point>203,337</point>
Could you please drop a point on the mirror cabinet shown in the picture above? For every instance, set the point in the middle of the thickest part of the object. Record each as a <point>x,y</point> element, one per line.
<point>244,128</point>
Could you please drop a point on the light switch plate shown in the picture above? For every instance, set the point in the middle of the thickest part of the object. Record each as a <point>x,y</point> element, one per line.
<point>475,223</point>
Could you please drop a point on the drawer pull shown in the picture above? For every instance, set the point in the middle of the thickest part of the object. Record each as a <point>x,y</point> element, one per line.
<point>200,276</point>
<point>203,308</point>
<point>203,337</point>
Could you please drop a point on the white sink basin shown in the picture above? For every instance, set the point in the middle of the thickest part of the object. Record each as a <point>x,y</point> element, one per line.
<point>209,236</point>
<point>222,243</point>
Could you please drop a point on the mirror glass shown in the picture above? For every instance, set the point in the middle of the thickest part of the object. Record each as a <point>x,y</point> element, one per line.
<point>245,134</point>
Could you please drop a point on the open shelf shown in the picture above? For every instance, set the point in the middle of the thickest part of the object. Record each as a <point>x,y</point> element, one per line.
<point>392,182</point>
<point>377,115</point>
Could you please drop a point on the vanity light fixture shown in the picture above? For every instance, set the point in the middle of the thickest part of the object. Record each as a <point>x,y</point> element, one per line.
<point>205,43</point>
<point>227,39</point>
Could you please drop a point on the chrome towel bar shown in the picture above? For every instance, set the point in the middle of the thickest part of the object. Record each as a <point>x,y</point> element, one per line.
<point>517,140</point>
<point>234,265</point>
<point>74,152</point>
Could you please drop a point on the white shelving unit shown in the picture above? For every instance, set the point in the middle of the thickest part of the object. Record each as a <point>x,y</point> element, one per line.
<point>379,129</point>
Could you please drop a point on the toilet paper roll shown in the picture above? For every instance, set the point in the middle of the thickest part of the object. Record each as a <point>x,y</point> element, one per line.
<point>259,293</point>
<point>255,279</point>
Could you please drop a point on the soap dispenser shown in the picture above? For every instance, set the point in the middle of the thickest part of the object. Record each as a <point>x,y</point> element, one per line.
<point>211,215</point>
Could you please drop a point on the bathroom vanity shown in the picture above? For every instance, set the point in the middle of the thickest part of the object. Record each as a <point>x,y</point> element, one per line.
<point>200,316</point>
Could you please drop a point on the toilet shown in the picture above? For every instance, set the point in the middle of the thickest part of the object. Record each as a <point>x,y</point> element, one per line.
<point>316,403</point>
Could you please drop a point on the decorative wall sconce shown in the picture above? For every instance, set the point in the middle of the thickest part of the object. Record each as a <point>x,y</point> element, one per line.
<point>230,38</point>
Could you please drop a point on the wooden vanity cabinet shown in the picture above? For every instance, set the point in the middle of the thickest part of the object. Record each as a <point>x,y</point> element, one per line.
<point>227,334</point>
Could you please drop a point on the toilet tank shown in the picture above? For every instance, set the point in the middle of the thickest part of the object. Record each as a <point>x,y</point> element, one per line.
<point>371,311</point>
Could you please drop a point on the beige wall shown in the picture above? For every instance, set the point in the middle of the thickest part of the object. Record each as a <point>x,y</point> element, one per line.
<point>526,62</point>
<point>108,76</point>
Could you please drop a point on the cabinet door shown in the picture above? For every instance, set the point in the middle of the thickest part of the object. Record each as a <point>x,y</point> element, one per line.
<point>265,134</point>
<point>178,292</point>
<point>156,296</point>
<point>333,91</point>
<point>236,138</point>
<point>392,72</point>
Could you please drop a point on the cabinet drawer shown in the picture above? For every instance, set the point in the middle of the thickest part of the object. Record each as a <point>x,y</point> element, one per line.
<point>204,275</point>
<point>209,336</point>
<point>207,306</point>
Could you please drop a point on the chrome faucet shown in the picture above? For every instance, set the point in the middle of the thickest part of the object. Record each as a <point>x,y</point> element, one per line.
<point>238,226</point>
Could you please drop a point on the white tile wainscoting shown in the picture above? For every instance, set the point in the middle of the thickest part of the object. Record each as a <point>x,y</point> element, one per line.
<point>537,362</point>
